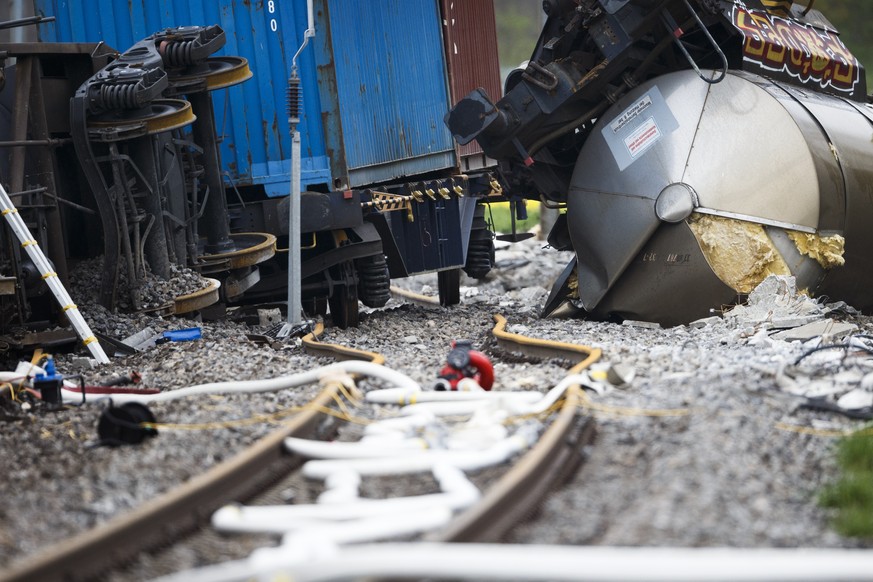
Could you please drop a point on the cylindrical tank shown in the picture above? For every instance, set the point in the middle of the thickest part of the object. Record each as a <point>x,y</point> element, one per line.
<point>687,195</point>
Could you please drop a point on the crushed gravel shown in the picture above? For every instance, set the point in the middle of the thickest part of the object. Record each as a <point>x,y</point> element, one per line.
<point>154,291</point>
<point>740,464</point>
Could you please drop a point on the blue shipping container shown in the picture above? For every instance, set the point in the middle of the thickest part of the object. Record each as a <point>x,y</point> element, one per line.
<point>374,82</point>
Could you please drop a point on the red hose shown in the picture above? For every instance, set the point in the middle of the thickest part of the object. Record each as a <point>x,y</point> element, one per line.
<point>484,370</point>
<point>113,390</point>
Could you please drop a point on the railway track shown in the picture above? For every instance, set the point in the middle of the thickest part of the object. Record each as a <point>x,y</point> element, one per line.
<point>181,511</point>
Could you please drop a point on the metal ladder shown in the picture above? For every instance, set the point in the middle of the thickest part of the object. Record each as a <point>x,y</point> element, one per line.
<point>677,33</point>
<point>29,244</point>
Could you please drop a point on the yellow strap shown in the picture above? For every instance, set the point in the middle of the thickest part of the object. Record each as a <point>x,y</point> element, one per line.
<point>89,340</point>
<point>49,274</point>
<point>9,211</point>
<point>27,243</point>
<point>69,307</point>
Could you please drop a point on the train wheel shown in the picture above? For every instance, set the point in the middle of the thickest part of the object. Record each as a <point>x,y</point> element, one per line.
<point>450,286</point>
<point>315,306</point>
<point>344,299</point>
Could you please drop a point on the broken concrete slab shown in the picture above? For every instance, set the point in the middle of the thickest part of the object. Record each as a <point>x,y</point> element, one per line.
<point>641,324</point>
<point>777,299</point>
<point>701,323</point>
<point>794,321</point>
<point>824,327</point>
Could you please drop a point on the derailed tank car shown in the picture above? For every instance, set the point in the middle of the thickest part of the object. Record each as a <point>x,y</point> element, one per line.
<point>177,150</point>
<point>698,146</point>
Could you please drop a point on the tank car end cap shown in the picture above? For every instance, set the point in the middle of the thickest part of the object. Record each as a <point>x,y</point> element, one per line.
<point>676,202</point>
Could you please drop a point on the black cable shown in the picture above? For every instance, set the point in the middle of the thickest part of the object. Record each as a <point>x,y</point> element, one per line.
<point>864,413</point>
<point>845,347</point>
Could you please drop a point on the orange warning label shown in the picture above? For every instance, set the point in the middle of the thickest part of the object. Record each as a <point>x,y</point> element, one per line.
<point>642,137</point>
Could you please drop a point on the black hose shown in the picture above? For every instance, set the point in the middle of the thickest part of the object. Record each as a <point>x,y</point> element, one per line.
<point>845,347</point>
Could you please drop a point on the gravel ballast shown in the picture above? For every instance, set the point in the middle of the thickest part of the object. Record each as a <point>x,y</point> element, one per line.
<point>703,447</point>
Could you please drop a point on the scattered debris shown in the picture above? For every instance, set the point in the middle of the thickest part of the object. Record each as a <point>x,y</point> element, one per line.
<point>776,300</point>
<point>701,323</point>
<point>140,339</point>
<point>821,328</point>
<point>269,317</point>
<point>641,324</point>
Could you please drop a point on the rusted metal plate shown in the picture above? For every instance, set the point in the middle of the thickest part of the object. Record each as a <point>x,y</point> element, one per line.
<point>43,339</point>
<point>470,37</point>
<point>7,285</point>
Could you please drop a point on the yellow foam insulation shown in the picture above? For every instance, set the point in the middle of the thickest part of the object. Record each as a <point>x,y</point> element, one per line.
<point>573,284</point>
<point>827,250</point>
<point>739,253</point>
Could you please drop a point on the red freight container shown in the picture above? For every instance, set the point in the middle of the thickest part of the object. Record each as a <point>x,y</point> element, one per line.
<point>470,38</point>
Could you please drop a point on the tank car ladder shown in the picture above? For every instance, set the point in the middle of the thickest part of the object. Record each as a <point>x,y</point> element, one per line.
<point>677,33</point>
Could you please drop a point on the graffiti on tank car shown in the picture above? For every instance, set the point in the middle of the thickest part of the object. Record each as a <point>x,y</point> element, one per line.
<point>678,259</point>
<point>800,50</point>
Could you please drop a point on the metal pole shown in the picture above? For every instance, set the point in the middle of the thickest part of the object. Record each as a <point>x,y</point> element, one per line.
<point>294,293</point>
<point>295,307</point>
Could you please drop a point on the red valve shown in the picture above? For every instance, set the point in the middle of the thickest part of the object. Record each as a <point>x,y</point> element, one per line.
<point>465,362</point>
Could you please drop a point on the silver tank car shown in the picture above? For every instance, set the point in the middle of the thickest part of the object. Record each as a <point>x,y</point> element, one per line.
<point>688,194</point>
<point>697,147</point>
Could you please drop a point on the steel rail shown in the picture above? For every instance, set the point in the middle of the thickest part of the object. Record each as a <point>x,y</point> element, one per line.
<point>555,457</point>
<point>314,347</point>
<point>179,512</point>
<point>582,356</point>
<point>415,297</point>
<point>184,509</point>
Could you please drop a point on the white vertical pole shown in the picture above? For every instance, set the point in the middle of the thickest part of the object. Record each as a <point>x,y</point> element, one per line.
<point>295,307</point>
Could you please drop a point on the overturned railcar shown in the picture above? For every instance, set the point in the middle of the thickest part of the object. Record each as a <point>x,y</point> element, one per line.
<point>697,146</point>
<point>175,150</point>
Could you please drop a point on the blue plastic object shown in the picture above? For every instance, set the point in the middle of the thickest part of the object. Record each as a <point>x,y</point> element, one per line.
<point>182,335</point>
<point>49,384</point>
<point>50,371</point>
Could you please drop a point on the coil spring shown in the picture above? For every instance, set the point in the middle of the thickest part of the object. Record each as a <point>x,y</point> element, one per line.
<point>178,54</point>
<point>374,287</point>
<point>120,96</point>
<point>294,99</point>
<point>479,261</point>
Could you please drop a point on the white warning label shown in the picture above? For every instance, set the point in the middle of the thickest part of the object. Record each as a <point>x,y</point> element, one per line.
<point>646,135</point>
<point>638,127</point>
<point>631,113</point>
